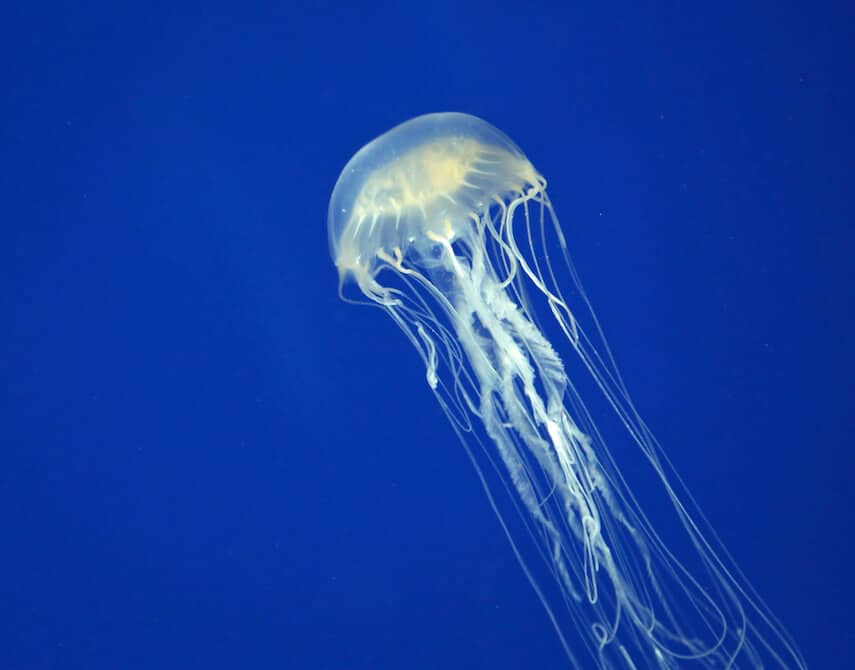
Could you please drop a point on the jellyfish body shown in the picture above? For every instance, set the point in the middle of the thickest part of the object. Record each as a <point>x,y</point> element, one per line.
<point>446,225</point>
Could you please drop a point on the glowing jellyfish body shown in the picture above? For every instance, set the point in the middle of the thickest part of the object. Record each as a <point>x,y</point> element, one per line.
<point>445,224</point>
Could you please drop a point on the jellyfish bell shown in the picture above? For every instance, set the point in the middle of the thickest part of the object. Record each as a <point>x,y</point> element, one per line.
<point>446,225</point>
<point>428,179</point>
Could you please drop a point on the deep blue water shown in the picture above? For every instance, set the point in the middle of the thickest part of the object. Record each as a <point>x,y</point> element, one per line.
<point>209,461</point>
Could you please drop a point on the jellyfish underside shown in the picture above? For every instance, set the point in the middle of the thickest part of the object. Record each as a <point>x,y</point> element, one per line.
<point>445,224</point>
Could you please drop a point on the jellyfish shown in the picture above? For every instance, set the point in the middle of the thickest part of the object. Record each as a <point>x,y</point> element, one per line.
<point>444,224</point>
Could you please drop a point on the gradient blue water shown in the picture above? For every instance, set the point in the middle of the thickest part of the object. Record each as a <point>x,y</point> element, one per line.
<point>209,461</point>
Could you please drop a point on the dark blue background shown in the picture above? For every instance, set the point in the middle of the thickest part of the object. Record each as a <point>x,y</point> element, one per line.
<point>209,461</point>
